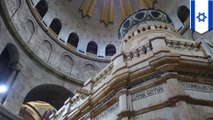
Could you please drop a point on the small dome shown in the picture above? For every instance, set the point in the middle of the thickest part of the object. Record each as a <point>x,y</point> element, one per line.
<point>144,15</point>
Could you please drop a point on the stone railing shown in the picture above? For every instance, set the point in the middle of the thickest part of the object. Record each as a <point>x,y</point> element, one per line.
<point>143,50</point>
<point>183,44</point>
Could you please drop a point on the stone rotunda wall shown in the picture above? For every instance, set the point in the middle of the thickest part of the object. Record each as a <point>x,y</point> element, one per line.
<point>48,51</point>
<point>34,59</point>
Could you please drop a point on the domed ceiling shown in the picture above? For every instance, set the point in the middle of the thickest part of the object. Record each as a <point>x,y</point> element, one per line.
<point>91,20</point>
<point>95,21</point>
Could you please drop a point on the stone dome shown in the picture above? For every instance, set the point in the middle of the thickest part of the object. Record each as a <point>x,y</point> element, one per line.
<point>143,16</point>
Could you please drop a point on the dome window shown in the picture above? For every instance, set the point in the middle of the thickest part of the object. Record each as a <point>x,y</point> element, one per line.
<point>42,8</point>
<point>183,13</point>
<point>73,39</point>
<point>140,15</point>
<point>155,14</point>
<point>126,24</point>
<point>56,26</point>
<point>92,47</point>
<point>110,50</point>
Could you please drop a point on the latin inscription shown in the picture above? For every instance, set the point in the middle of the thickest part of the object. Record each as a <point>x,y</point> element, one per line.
<point>147,93</point>
<point>107,111</point>
<point>197,87</point>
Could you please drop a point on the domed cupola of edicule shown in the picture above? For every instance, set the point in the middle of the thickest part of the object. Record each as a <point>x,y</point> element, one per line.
<point>157,75</point>
<point>144,24</point>
<point>148,17</point>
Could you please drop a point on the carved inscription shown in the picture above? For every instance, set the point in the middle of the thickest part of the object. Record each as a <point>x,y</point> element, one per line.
<point>197,87</point>
<point>108,111</point>
<point>147,93</point>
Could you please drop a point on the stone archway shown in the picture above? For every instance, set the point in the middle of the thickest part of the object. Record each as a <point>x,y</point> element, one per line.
<point>9,59</point>
<point>52,94</point>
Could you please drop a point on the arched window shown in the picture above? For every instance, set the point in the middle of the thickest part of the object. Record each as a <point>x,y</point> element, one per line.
<point>4,66</point>
<point>42,7</point>
<point>73,39</point>
<point>92,47</point>
<point>56,26</point>
<point>110,50</point>
<point>183,13</point>
<point>8,68</point>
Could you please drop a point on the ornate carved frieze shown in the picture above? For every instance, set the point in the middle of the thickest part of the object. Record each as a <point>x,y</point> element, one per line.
<point>182,45</point>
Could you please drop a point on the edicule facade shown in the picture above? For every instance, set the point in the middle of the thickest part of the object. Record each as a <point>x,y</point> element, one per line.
<point>157,75</point>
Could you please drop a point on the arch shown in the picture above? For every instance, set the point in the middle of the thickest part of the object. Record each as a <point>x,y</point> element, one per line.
<point>56,26</point>
<point>183,13</point>
<point>42,7</point>
<point>55,95</point>
<point>110,50</point>
<point>14,6</point>
<point>73,39</point>
<point>9,59</point>
<point>92,47</point>
<point>13,53</point>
